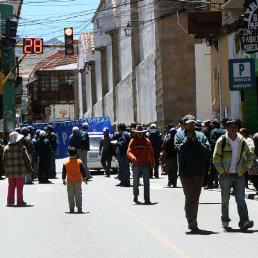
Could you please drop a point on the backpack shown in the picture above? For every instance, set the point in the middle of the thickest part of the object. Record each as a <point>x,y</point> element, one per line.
<point>84,140</point>
<point>215,136</point>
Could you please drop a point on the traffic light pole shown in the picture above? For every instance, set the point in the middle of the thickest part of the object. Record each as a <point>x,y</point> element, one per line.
<point>2,82</point>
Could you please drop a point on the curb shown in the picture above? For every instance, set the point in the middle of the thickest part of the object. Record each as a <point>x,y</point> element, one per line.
<point>251,196</point>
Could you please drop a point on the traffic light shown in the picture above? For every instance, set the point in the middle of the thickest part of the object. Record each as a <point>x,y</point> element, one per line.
<point>10,33</point>
<point>68,33</point>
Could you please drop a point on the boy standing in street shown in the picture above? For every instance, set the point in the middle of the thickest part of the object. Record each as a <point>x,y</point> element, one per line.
<point>75,171</point>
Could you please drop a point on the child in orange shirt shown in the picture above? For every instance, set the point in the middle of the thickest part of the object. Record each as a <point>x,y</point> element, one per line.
<point>74,169</point>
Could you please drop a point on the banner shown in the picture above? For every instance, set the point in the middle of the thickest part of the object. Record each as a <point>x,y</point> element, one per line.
<point>63,130</point>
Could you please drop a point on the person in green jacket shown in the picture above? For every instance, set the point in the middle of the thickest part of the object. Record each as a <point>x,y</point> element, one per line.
<point>232,159</point>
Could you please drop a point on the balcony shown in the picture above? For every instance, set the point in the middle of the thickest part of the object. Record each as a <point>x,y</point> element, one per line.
<point>56,95</point>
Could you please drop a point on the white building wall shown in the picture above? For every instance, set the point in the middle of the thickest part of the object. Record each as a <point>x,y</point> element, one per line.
<point>125,57</point>
<point>147,28</point>
<point>203,81</point>
<point>109,63</point>
<point>88,95</point>
<point>146,90</point>
<point>108,106</point>
<point>80,95</point>
<point>98,75</point>
<point>124,101</point>
<point>145,71</point>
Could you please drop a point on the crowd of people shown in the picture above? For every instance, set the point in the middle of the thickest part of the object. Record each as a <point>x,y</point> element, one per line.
<point>208,154</point>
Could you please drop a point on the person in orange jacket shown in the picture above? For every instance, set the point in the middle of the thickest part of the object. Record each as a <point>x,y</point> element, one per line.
<point>140,152</point>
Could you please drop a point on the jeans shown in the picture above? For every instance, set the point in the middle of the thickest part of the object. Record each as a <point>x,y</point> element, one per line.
<point>238,184</point>
<point>192,189</point>
<point>124,171</point>
<point>156,168</point>
<point>15,183</point>
<point>28,179</point>
<point>35,167</point>
<point>138,171</point>
<point>44,167</point>
<point>172,171</point>
<point>52,166</point>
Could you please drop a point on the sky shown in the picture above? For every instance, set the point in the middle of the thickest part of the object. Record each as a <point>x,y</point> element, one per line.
<point>47,18</point>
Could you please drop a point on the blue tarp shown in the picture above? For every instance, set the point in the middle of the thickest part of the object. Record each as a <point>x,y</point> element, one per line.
<point>63,129</point>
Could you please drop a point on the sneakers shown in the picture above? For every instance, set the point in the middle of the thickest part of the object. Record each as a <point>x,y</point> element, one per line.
<point>10,204</point>
<point>225,224</point>
<point>193,225</point>
<point>79,210</point>
<point>71,210</point>
<point>247,224</point>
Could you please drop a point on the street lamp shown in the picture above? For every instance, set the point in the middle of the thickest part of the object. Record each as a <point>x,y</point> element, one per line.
<point>128,29</point>
<point>88,65</point>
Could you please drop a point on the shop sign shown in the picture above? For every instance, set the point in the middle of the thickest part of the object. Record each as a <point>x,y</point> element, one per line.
<point>249,32</point>
<point>242,74</point>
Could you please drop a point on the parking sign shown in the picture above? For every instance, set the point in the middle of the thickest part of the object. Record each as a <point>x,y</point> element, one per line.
<point>242,74</point>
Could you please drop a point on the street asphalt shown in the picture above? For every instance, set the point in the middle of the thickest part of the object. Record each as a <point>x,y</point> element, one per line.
<point>113,226</point>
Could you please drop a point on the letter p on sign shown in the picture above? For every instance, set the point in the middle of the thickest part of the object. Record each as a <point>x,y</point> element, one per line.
<point>241,70</point>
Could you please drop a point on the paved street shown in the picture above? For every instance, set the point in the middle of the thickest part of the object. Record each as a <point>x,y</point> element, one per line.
<point>113,226</point>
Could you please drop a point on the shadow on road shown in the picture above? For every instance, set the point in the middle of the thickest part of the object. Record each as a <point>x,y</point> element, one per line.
<point>142,203</point>
<point>238,230</point>
<point>77,213</point>
<point>173,187</point>
<point>209,202</point>
<point>17,206</point>
<point>201,232</point>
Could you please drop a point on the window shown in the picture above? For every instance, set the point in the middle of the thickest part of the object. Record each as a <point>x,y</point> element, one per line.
<point>44,83</point>
<point>54,82</point>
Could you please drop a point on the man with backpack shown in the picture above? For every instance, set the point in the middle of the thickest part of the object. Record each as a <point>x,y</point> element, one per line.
<point>106,151</point>
<point>80,141</point>
<point>85,147</point>
<point>232,159</point>
<point>155,138</point>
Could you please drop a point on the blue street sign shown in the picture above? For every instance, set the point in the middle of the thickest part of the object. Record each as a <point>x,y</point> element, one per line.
<point>241,74</point>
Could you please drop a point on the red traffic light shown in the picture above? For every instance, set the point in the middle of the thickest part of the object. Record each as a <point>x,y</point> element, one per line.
<point>68,32</point>
<point>68,37</point>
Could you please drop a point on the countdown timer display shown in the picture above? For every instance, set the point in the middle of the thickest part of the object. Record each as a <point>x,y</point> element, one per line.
<point>32,46</point>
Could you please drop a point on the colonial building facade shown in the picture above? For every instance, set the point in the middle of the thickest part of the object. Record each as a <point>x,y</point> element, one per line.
<point>139,64</point>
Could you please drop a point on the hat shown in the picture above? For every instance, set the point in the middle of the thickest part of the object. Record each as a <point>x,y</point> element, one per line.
<point>224,120</point>
<point>85,124</point>
<point>42,133</point>
<point>188,119</point>
<point>139,129</point>
<point>18,129</point>
<point>75,129</point>
<point>15,137</point>
<point>38,131</point>
<point>50,127</point>
<point>173,130</point>
<point>153,125</point>
<point>31,128</point>
<point>105,129</point>
<point>25,130</point>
